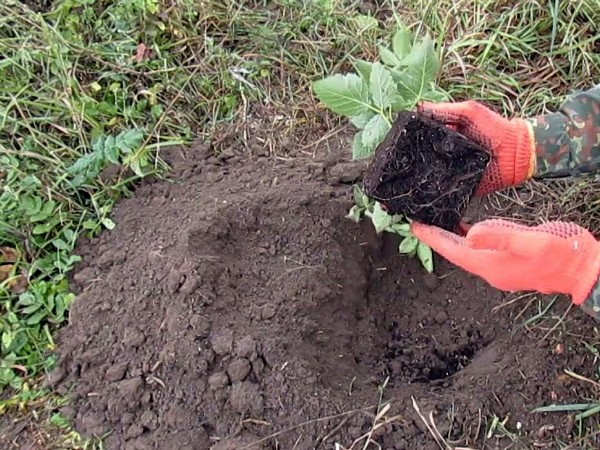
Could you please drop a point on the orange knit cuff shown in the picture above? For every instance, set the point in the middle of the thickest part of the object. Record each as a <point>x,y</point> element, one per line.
<point>523,140</point>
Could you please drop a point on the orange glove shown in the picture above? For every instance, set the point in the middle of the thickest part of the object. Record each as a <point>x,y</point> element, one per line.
<point>557,257</point>
<point>511,141</point>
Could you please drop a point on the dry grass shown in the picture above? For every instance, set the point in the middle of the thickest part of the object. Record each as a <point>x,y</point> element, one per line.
<point>537,202</point>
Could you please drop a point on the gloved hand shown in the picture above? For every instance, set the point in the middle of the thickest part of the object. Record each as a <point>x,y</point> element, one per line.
<point>511,141</point>
<point>556,257</point>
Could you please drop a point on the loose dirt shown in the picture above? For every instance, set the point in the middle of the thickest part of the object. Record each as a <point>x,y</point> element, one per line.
<point>235,307</point>
<point>426,171</point>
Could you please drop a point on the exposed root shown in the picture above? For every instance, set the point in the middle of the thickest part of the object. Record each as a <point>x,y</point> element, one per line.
<point>425,171</point>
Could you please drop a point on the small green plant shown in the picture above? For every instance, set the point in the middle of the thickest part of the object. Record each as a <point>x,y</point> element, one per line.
<point>404,75</point>
<point>109,150</point>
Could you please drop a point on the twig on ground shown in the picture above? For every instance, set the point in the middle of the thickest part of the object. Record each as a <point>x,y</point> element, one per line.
<point>306,423</point>
<point>440,441</point>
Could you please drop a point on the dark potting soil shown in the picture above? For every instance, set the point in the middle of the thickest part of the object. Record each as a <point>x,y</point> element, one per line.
<point>425,171</point>
<point>234,307</point>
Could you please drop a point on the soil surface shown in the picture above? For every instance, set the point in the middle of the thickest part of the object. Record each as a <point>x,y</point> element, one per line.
<point>234,307</point>
<point>39,5</point>
<point>426,171</point>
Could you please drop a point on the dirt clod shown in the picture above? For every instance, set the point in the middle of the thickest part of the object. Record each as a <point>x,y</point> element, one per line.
<point>55,377</point>
<point>222,342</point>
<point>131,389</point>
<point>246,348</point>
<point>425,171</point>
<point>134,431</point>
<point>441,317</point>
<point>68,412</point>
<point>116,372</point>
<point>268,312</point>
<point>238,369</point>
<point>431,281</point>
<point>218,380</point>
<point>245,397</point>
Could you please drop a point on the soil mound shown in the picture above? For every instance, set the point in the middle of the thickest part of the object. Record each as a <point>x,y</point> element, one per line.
<point>235,307</point>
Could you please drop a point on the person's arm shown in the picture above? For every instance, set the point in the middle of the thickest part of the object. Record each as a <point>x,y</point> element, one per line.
<point>567,142</point>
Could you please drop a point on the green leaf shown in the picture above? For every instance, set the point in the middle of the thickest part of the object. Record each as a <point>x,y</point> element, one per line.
<point>26,298</point>
<point>364,69</point>
<point>407,85</point>
<point>157,111</point>
<point>30,309</point>
<point>6,376</point>
<point>36,318</point>
<point>12,318</point>
<point>39,217</point>
<point>152,6</point>
<point>31,205</point>
<point>425,256</point>
<point>375,131</point>
<point>60,307</point>
<point>408,245</point>
<point>50,302</point>
<point>355,214</point>
<point>109,142</point>
<point>111,154</point>
<point>361,120</point>
<point>129,140</point>
<point>360,198</point>
<point>43,228</point>
<point>381,219</point>
<point>402,42</point>
<point>60,244</point>
<point>388,56</point>
<point>108,223</point>
<point>87,166</point>
<point>136,166</point>
<point>343,94</point>
<point>590,412</point>
<point>70,235</point>
<point>365,23</point>
<point>422,66</point>
<point>435,96</point>
<point>7,340</point>
<point>402,229</point>
<point>565,408</point>
<point>90,224</point>
<point>359,150</point>
<point>383,88</point>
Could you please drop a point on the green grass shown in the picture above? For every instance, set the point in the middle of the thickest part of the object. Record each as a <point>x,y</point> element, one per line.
<point>81,119</point>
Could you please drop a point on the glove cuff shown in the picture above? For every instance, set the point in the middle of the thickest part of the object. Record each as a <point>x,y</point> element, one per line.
<point>522,140</point>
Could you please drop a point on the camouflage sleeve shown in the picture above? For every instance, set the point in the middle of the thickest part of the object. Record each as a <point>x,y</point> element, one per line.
<point>591,305</point>
<point>568,141</point>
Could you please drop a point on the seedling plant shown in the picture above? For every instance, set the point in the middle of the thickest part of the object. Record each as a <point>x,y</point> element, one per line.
<point>404,75</point>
